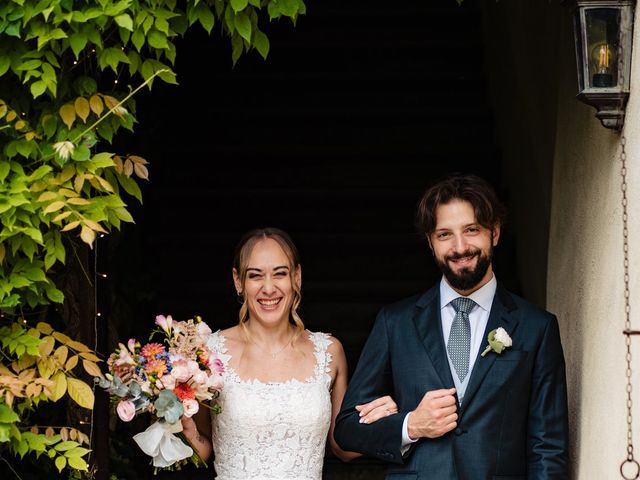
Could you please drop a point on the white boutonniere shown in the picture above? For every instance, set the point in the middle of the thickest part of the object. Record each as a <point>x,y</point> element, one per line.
<point>498,340</point>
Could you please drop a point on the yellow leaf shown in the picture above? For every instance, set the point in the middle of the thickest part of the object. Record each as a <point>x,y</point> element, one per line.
<point>78,183</point>
<point>20,124</point>
<point>60,387</point>
<point>44,328</point>
<point>47,196</point>
<point>78,463</point>
<point>82,108</point>
<point>29,136</point>
<point>84,438</point>
<point>26,361</point>
<point>11,116</point>
<point>54,207</point>
<point>73,434</point>
<point>90,356</point>
<point>61,337</point>
<point>94,226</point>
<point>96,104</point>
<point>87,235</point>
<point>38,186</point>
<point>91,368</point>
<point>78,201</point>
<point>27,375</point>
<point>62,216</point>
<point>67,172</point>
<point>138,159</point>
<point>46,346</point>
<point>141,171</point>
<point>61,354</point>
<point>118,163</point>
<point>105,184</point>
<point>68,193</point>
<point>128,167</point>
<point>70,226</point>
<point>61,462</point>
<point>110,102</point>
<point>68,114</point>
<point>77,346</point>
<point>33,390</point>
<point>3,252</point>
<point>46,367</point>
<point>80,392</point>
<point>71,363</point>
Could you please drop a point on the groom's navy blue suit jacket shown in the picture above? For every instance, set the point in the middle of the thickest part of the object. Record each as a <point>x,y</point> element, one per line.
<point>512,423</point>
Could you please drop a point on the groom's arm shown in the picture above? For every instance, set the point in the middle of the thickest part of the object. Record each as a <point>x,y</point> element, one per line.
<point>372,379</point>
<point>548,425</point>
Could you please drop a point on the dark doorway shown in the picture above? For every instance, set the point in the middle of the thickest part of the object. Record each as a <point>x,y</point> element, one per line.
<point>332,139</point>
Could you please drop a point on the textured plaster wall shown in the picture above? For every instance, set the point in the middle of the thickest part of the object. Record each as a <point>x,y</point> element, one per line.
<point>585,272</point>
<point>564,172</point>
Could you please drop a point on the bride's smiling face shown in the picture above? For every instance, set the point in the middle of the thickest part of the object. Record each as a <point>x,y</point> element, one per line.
<point>268,287</point>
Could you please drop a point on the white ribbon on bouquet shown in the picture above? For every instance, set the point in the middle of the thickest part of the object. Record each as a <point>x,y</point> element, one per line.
<point>158,441</point>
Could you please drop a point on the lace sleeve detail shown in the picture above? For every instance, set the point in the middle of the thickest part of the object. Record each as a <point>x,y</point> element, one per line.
<point>321,342</point>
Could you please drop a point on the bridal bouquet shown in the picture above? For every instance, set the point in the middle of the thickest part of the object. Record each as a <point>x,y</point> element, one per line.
<point>168,380</point>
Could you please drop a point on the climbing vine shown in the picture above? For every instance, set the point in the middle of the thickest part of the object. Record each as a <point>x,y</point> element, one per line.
<point>65,68</point>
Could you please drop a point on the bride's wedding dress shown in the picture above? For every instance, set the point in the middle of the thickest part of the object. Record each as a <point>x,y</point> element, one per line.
<point>275,430</point>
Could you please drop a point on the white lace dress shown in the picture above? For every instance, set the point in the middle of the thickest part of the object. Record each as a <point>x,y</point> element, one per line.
<point>273,430</point>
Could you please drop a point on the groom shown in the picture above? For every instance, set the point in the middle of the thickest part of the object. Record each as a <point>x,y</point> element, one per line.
<point>463,414</point>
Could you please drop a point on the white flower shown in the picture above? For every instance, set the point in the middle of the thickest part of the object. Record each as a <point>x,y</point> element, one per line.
<point>498,340</point>
<point>64,149</point>
<point>503,337</point>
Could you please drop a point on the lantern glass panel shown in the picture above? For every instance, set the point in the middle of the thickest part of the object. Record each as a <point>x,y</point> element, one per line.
<point>602,47</point>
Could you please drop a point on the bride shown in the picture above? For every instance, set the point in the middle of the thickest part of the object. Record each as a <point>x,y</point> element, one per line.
<point>283,385</point>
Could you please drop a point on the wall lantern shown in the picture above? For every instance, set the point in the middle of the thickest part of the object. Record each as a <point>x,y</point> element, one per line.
<point>603,35</point>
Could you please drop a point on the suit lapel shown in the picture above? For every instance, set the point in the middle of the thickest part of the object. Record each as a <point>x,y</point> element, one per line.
<point>501,316</point>
<point>429,326</point>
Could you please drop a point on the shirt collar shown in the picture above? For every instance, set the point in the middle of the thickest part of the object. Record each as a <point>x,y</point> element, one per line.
<point>483,296</point>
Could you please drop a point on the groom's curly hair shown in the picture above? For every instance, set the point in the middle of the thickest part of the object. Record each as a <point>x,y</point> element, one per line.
<point>489,211</point>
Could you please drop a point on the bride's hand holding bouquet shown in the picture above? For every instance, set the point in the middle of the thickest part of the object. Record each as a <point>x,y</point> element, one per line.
<point>171,380</point>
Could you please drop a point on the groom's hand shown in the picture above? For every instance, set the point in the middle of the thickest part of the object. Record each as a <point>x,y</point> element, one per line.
<point>434,416</point>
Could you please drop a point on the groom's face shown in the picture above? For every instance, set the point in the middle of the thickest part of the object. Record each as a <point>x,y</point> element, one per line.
<point>462,248</point>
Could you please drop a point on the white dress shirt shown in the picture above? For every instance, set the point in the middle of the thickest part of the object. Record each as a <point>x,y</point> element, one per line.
<point>478,319</point>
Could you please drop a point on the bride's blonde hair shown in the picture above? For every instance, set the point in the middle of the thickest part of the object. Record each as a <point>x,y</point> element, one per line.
<point>241,263</point>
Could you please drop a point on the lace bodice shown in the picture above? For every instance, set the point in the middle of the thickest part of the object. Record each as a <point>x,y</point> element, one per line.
<point>272,430</point>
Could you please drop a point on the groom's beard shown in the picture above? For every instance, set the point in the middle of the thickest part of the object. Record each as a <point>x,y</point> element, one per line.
<point>466,278</point>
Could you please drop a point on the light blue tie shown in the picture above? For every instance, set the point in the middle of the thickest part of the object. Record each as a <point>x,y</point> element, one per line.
<point>459,342</point>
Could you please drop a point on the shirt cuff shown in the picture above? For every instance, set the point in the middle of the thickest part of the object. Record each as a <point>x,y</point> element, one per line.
<point>406,439</point>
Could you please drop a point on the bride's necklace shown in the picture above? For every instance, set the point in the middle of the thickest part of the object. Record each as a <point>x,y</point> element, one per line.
<point>273,355</point>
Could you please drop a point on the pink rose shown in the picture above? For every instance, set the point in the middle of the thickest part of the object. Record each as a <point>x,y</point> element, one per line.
<point>191,407</point>
<point>126,410</point>
<point>217,366</point>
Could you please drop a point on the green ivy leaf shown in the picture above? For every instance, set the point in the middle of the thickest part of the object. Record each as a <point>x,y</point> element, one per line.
<point>243,25</point>
<point>7,415</point>
<point>5,63</point>
<point>54,294</point>
<point>124,21</point>
<point>157,39</point>
<point>38,88</point>
<point>205,17</point>
<point>239,5</point>
<point>81,153</point>
<point>78,41</point>
<point>261,43</point>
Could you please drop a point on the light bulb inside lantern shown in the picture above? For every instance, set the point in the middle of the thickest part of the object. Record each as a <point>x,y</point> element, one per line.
<point>603,57</point>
